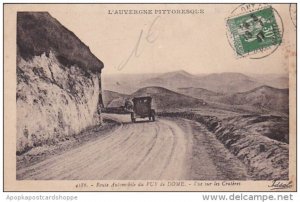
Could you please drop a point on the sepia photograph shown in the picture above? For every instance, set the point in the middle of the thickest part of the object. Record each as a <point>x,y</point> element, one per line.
<point>150,97</point>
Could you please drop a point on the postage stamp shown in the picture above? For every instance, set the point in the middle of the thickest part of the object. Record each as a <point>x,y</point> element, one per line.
<point>254,31</point>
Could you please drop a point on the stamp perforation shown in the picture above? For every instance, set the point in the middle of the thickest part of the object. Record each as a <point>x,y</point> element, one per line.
<point>256,34</point>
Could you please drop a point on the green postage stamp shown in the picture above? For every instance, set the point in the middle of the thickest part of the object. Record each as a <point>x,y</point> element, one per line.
<point>254,31</point>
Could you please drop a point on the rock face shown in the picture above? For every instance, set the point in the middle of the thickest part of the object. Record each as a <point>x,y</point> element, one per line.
<point>58,82</point>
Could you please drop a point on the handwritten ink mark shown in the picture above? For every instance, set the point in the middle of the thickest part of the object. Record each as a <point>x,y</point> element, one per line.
<point>280,185</point>
<point>151,37</point>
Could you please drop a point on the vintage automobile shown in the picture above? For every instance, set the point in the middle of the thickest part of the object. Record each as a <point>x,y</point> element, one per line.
<point>141,108</point>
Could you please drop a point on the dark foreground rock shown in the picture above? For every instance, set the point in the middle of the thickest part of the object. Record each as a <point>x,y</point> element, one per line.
<point>58,82</point>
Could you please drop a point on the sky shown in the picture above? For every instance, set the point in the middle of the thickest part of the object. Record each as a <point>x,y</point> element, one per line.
<point>161,43</point>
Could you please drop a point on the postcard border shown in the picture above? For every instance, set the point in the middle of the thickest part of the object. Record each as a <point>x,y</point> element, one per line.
<point>3,94</point>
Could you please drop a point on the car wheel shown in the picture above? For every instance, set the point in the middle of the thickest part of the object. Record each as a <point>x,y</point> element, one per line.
<point>153,118</point>
<point>132,117</point>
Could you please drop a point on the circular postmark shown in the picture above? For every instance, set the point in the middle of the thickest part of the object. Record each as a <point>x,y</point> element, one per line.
<point>293,13</point>
<point>254,30</point>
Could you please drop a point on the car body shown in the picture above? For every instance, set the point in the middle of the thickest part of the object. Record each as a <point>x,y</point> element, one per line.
<point>142,108</point>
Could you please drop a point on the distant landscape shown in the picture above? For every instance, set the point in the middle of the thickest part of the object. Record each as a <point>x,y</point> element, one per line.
<point>253,93</point>
<point>249,114</point>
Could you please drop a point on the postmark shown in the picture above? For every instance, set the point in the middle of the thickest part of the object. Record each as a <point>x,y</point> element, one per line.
<point>254,31</point>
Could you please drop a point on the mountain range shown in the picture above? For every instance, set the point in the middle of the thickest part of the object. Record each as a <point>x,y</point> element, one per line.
<point>181,90</point>
<point>223,83</point>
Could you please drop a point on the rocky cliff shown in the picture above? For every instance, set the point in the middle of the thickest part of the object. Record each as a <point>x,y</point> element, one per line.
<point>58,82</point>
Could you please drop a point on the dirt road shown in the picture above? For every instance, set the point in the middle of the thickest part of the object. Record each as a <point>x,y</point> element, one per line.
<point>146,150</point>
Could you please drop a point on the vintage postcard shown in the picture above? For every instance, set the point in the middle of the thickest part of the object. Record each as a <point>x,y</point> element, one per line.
<point>150,97</point>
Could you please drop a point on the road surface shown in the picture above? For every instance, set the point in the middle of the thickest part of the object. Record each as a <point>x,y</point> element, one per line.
<point>160,150</point>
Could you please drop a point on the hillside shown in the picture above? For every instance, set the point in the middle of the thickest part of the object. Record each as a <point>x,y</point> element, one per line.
<point>263,97</point>
<point>163,99</point>
<point>109,96</point>
<point>58,82</point>
<point>261,142</point>
<point>200,93</point>
<point>39,33</point>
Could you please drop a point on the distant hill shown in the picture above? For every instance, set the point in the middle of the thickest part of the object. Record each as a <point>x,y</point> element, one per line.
<point>172,80</point>
<point>124,83</point>
<point>264,97</point>
<point>225,83</point>
<point>180,75</point>
<point>279,82</point>
<point>200,93</point>
<point>260,99</point>
<point>228,82</point>
<point>163,99</point>
<point>220,83</point>
<point>273,80</point>
<point>109,96</point>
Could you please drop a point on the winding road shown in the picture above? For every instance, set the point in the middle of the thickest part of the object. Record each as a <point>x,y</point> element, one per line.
<point>167,149</point>
<point>143,150</point>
